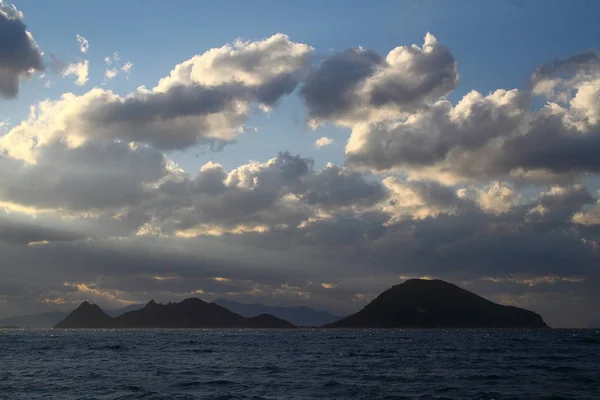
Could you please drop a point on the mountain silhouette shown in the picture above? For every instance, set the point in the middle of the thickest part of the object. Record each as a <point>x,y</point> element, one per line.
<point>190,313</point>
<point>49,319</point>
<point>299,316</point>
<point>418,303</point>
<point>268,321</point>
<point>88,316</point>
<point>120,311</point>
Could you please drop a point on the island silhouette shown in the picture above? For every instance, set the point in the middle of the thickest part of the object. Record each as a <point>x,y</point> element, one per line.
<point>416,303</point>
<point>49,319</point>
<point>420,303</point>
<point>189,313</point>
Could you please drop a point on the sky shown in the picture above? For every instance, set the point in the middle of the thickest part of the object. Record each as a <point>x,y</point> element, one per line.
<point>299,153</point>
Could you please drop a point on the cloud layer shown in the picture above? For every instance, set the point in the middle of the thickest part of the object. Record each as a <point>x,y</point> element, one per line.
<point>360,85</point>
<point>488,192</point>
<point>496,136</point>
<point>205,99</point>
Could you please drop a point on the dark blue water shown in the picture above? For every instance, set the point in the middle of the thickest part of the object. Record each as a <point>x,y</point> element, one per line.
<point>302,364</point>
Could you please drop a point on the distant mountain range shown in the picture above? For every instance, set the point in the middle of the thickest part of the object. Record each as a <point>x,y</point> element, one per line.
<point>121,311</point>
<point>594,324</point>
<point>415,303</point>
<point>49,319</point>
<point>419,303</point>
<point>190,313</point>
<point>299,316</point>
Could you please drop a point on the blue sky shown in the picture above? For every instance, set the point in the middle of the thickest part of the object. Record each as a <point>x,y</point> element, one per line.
<point>495,190</point>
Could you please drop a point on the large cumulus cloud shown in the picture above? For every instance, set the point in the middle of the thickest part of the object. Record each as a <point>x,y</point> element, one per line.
<point>205,99</point>
<point>497,135</point>
<point>284,191</point>
<point>361,85</point>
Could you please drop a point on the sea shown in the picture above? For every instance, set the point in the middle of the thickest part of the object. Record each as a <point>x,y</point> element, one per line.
<point>300,364</point>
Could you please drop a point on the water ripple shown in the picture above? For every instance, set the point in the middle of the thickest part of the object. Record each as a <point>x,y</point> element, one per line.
<point>300,364</point>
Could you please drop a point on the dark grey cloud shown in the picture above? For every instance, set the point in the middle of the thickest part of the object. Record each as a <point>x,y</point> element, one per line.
<point>116,189</point>
<point>329,90</point>
<point>440,135</point>
<point>146,117</point>
<point>141,268</point>
<point>435,196</point>
<point>20,55</point>
<point>558,148</point>
<point>496,136</point>
<point>334,187</point>
<point>24,232</point>
<point>499,247</point>
<point>140,117</point>
<point>271,91</point>
<point>581,63</point>
<point>463,239</point>
<point>326,237</point>
<point>358,84</point>
<point>182,115</point>
<point>177,101</point>
<point>436,73</point>
<point>560,203</point>
<point>345,229</point>
<point>94,176</point>
<point>292,167</point>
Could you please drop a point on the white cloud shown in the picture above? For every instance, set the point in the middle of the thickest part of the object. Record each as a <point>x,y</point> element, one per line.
<point>589,217</point>
<point>253,64</point>
<point>420,200</point>
<point>127,67</point>
<point>83,44</point>
<point>498,197</point>
<point>183,110</point>
<point>110,73</point>
<point>79,69</point>
<point>322,142</point>
<point>113,66</point>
